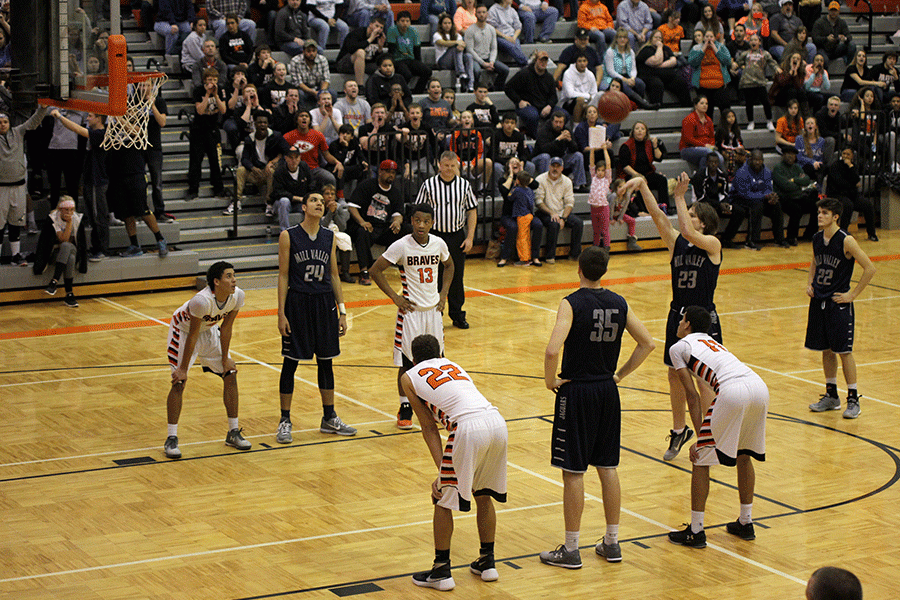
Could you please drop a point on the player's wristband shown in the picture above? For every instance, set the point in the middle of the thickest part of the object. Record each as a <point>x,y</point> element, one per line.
<point>341,309</point>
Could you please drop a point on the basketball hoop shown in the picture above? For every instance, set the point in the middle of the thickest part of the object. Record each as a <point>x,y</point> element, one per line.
<point>127,96</point>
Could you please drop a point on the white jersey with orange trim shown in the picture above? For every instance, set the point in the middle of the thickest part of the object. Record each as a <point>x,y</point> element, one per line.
<point>448,391</point>
<point>205,307</point>
<point>418,266</point>
<point>708,359</point>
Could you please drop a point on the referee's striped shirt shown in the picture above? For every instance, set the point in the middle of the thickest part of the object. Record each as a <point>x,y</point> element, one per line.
<point>449,200</point>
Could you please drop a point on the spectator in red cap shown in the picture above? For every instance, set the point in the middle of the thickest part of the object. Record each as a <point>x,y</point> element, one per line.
<point>376,216</point>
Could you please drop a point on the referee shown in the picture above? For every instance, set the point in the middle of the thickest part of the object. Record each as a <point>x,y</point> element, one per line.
<point>455,211</point>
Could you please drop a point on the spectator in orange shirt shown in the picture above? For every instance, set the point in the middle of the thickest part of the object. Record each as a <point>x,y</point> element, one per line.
<point>464,16</point>
<point>672,31</point>
<point>756,22</point>
<point>594,16</point>
<point>788,127</point>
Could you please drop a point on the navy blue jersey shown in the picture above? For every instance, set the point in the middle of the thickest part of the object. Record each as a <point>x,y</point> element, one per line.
<point>310,267</point>
<point>694,276</point>
<point>591,350</point>
<point>833,269</point>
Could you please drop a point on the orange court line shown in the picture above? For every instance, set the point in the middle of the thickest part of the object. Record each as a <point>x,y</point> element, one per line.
<point>17,335</point>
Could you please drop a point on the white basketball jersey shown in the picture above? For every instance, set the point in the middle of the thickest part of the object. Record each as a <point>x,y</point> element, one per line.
<point>418,266</point>
<point>447,390</point>
<point>205,306</point>
<point>708,359</point>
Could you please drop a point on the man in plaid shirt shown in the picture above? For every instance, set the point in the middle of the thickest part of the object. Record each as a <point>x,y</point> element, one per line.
<point>217,9</point>
<point>310,72</point>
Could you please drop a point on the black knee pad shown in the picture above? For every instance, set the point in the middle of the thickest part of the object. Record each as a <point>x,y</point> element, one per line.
<point>286,383</point>
<point>326,374</point>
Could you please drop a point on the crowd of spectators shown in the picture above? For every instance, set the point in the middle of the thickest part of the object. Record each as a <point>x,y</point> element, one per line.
<point>276,113</point>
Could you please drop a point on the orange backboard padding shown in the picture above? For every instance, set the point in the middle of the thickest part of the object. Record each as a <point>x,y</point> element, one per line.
<point>116,81</point>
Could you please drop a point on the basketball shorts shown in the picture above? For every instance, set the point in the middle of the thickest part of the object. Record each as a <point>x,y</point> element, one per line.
<point>314,327</point>
<point>715,330</point>
<point>413,324</point>
<point>128,195</point>
<point>474,462</point>
<point>208,349</point>
<point>735,423</point>
<point>587,426</point>
<point>12,205</point>
<point>830,326</point>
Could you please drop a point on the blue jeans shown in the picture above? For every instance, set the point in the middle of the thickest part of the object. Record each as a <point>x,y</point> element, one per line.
<point>291,48</point>
<point>512,229</point>
<point>547,18</point>
<point>530,118</point>
<point>697,156</point>
<point>501,70</point>
<point>460,62</point>
<point>513,50</point>
<point>321,28</point>
<point>283,207</point>
<point>363,16</point>
<point>245,25</point>
<point>573,161</point>
<point>552,227</point>
<point>601,39</point>
<point>173,40</point>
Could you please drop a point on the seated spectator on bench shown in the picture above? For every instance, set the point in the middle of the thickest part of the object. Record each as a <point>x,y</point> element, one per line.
<point>348,152</point>
<point>636,158</point>
<point>730,143</point>
<point>620,64</point>
<point>275,91</point>
<point>554,140</point>
<point>752,195</point>
<point>430,12</point>
<point>450,53</point>
<point>210,60</point>
<point>309,71</point>
<point>579,89</point>
<point>580,48</point>
<point>483,109</point>
<point>886,73</point>
<point>325,15</point>
<point>378,138</point>
<point>64,243</point>
<point>173,22</point>
<point>236,45</point>
<point>284,116</point>
<point>555,201</point>
<point>291,28</point>
<point>313,150</point>
<point>219,10</point>
<point>814,153</point>
<point>469,146</point>
<point>595,18</point>
<point>361,49</point>
<point>831,35</point>
<point>533,92</point>
<point>698,135</point>
<point>361,12</point>
<point>782,28</point>
<point>829,120</point>
<point>816,84</point>
<point>291,182</point>
<point>481,43</point>
<point>192,46</point>
<point>326,119</point>
<point>658,68</point>
<point>355,110</point>
<point>509,143</point>
<point>466,15</point>
<point>788,127</point>
<point>797,194</point>
<point>437,112</point>
<point>262,153</point>
<point>710,185</point>
<point>843,184</point>
<point>858,75</point>
<point>504,18</point>
<point>378,87</point>
<point>406,50</point>
<point>635,17</point>
<point>262,69</point>
<point>532,12</point>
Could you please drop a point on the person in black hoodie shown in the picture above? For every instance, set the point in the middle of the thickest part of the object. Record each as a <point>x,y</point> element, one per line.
<point>291,28</point>
<point>843,177</point>
<point>291,182</point>
<point>378,87</point>
<point>260,157</point>
<point>533,91</point>
<point>235,45</point>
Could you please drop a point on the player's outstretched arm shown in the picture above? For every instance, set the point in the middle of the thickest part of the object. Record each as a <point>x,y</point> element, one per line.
<point>710,243</point>
<point>660,219</point>
<point>851,248</point>
<point>554,346</point>
<point>645,345</point>
<point>426,421</point>
<point>284,265</point>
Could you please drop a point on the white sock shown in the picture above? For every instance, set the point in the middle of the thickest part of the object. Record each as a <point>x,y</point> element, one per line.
<point>173,429</point>
<point>746,513</point>
<point>572,540</point>
<point>831,380</point>
<point>14,247</point>
<point>232,423</point>
<point>404,400</point>
<point>696,521</point>
<point>851,386</point>
<point>679,431</point>
<point>612,535</point>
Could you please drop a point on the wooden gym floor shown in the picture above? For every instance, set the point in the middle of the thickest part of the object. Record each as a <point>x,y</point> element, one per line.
<point>92,509</point>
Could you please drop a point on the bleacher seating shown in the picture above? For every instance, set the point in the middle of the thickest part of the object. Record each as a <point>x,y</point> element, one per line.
<point>201,229</point>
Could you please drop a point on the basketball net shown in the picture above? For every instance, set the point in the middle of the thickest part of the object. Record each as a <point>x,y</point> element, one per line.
<point>130,130</point>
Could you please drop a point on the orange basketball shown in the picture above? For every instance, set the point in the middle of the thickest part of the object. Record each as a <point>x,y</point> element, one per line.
<point>614,107</point>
